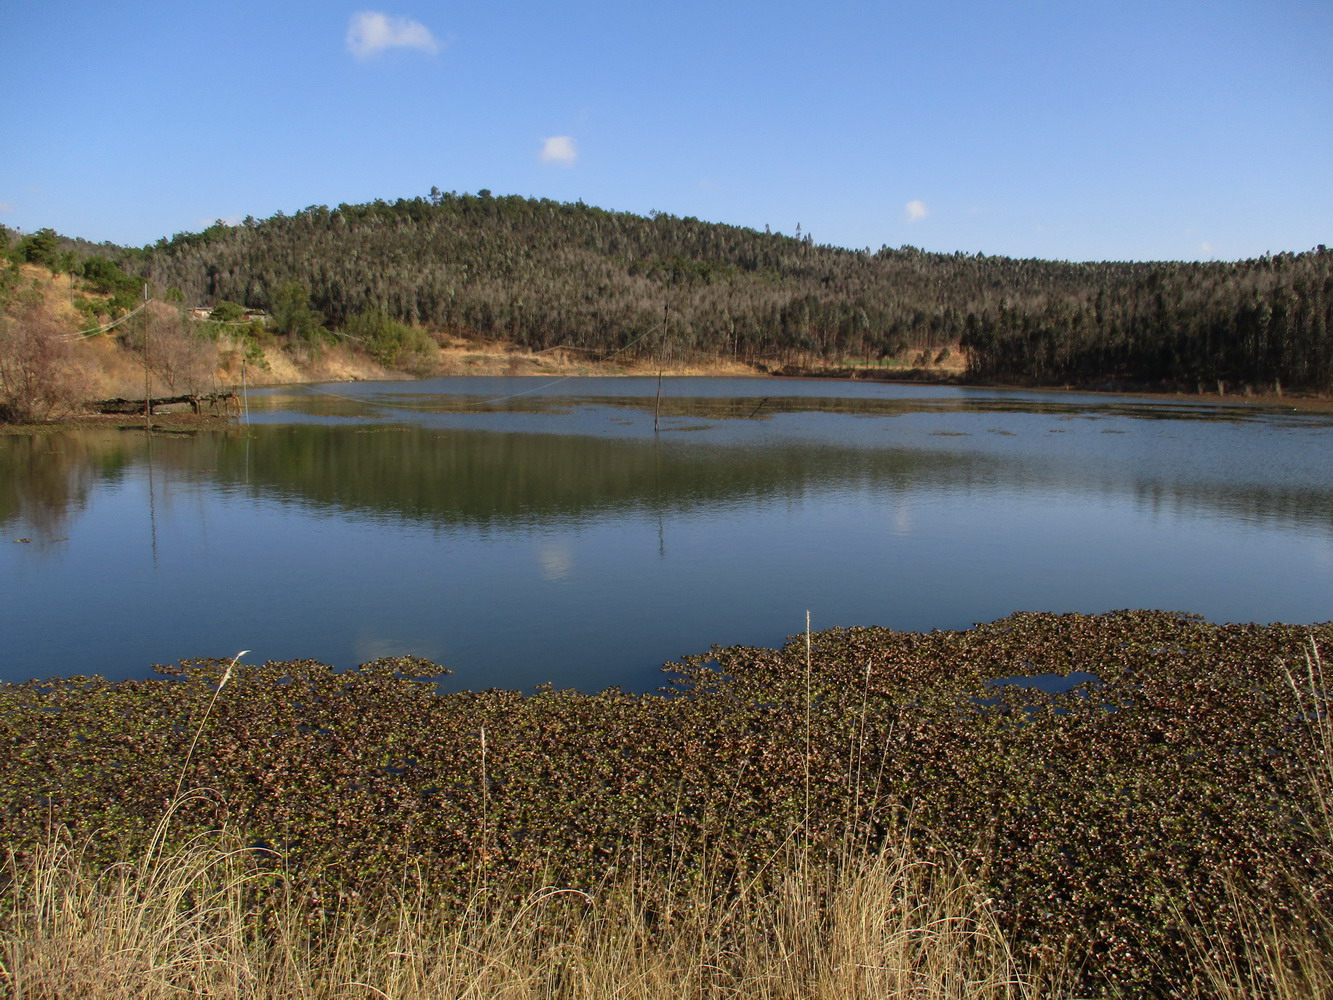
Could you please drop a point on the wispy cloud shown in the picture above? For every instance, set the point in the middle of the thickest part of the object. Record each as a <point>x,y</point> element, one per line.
<point>916,210</point>
<point>560,150</point>
<point>371,32</point>
<point>6,206</point>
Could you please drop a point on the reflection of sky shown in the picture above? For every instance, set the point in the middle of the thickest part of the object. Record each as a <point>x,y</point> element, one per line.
<point>556,560</point>
<point>992,514</point>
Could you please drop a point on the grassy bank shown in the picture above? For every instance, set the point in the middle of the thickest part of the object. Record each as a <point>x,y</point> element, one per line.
<point>806,822</point>
<point>206,921</point>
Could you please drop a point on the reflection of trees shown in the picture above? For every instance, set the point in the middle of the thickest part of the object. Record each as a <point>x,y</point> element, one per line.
<point>484,478</point>
<point>45,479</point>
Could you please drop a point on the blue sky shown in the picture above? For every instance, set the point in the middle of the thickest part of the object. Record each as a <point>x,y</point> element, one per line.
<point>1081,130</point>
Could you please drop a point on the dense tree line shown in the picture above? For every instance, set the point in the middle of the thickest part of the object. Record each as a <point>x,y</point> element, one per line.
<point>543,274</point>
<point>1256,323</point>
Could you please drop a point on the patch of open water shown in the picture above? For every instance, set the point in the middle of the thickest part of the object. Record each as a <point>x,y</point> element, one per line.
<point>523,531</point>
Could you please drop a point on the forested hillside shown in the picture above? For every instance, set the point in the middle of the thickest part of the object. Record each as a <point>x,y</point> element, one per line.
<point>541,273</point>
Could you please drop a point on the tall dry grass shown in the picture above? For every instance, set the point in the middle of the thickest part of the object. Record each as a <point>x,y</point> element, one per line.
<point>205,920</point>
<point>212,918</point>
<point>1286,954</point>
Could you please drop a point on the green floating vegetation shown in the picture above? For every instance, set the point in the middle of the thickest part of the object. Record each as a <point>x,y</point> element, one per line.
<point>1181,787</point>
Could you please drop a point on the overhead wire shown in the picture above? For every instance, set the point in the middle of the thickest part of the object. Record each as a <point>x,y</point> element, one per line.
<point>85,334</point>
<point>94,331</point>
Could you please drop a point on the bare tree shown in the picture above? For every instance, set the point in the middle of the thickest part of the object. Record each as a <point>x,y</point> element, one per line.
<point>40,377</point>
<point>182,358</point>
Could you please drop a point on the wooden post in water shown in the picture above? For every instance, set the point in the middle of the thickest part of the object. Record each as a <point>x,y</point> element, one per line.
<point>657,410</point>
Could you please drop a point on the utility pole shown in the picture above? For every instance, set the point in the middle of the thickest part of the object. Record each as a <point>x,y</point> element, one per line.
<point>147,394</point>
<point>657,410</point>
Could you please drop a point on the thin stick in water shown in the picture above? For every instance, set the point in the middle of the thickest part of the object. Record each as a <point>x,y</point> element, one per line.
<point>807,722</point>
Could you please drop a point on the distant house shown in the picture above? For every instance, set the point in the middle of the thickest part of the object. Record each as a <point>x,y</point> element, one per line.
<point>249,316</point>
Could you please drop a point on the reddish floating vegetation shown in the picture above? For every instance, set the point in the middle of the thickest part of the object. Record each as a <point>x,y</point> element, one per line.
<point>1171,790</point>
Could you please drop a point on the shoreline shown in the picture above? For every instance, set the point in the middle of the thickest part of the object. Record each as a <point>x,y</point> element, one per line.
<point>1294,400</point>
<point>499,363</point>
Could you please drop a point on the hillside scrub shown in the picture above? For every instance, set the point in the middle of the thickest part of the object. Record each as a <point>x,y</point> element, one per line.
<point>541,273</point>
<point>63,344</point>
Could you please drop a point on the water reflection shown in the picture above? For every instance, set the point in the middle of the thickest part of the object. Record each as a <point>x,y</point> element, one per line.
<point>477,478</point>
<point>561,539</point>
<point>47,479</point>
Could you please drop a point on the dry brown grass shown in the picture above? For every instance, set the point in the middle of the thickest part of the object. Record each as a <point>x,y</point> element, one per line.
<point>206,920</point>
<point>209,917</point>
<point>1287,954</point>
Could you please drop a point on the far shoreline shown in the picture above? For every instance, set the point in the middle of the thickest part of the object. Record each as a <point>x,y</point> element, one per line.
<point>490,364</point>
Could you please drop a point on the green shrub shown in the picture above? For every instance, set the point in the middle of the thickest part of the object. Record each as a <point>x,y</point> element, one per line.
<point>105,278</point>
<point>390,342</point>
<point>226,312</point>
<point>41,247</point>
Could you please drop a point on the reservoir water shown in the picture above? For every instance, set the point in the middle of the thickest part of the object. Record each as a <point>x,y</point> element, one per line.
<point>525,531</point>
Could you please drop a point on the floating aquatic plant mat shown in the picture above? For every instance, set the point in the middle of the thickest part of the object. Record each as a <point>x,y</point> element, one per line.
<point>1177,783</point>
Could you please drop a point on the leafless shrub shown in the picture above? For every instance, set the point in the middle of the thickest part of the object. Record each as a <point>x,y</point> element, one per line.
<point>41,378</point>
<point>178,356</point>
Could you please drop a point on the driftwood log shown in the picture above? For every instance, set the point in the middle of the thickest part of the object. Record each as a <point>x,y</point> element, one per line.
<point>226,400</point>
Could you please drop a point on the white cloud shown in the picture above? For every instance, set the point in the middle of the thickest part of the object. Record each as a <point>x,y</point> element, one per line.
<point>6,206</point>
<point>1207,249</point>
<point>916,210</point>
<point>371,32</point>
<point>560,150</point>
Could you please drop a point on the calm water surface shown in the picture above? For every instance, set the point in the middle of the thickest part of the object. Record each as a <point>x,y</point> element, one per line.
<point>520,531</point>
